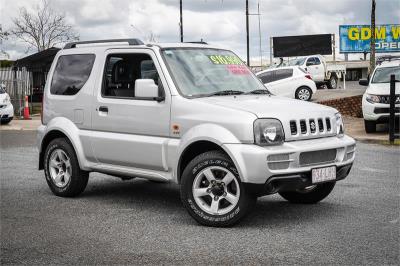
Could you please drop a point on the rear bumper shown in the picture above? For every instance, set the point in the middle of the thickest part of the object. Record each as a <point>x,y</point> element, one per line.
<point>291,182</point>
<point>258,164</point>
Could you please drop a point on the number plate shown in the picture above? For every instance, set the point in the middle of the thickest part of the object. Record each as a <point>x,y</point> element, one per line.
<point>319,175</point>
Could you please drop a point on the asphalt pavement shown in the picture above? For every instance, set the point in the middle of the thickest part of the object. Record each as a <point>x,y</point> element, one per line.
<point>140,222</point>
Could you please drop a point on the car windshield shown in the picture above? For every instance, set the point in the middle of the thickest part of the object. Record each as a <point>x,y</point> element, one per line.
<point>382,75</point>
<point>296,62</point>
<point>200,72</point>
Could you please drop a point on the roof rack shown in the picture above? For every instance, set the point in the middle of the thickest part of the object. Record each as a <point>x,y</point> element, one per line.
<point>199,42</point>
<point>129,41</point>
<point>387,58</point>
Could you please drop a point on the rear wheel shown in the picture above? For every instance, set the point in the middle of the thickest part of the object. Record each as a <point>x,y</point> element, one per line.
<point>309,195</point>
<point>332,82</point>
<point>62,171</point>
<point>212,192</point>
<point>303,93</point>
<point>370,126</point>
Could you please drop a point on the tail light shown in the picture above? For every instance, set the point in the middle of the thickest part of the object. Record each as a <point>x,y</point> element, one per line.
<point>308,76</point>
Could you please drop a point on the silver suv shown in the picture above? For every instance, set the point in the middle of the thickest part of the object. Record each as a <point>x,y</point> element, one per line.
<point>191,114</point>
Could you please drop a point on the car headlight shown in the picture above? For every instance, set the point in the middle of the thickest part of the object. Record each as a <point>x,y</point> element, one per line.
<point>339,125</point>
<point>6,100</point>
<point>268,132</point>
<point>373,98</point>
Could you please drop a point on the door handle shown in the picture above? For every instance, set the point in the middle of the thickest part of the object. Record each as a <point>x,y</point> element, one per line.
<point>103,109</point>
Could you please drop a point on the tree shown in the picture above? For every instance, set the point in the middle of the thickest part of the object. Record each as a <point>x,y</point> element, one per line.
<point>43,28</point>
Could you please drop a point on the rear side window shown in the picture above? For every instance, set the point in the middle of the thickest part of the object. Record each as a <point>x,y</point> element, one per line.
<point>283,74</point>
<point>266,77</point>
<point>71,73</point>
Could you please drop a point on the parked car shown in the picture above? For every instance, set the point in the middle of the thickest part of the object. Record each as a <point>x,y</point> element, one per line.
<point>6,107</point>
<point>375,101</point>
<point>292,82</point>
<point>321,72</point>
<point>203,120</point>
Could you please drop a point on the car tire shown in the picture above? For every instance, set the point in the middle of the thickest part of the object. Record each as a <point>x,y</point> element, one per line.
<point>62,171</point>
<point>5,122</point>
<point>303,93</point>
<point>370,126</point>
<point>206,174</point>
<point>332,82</point>
<point>310,195</point>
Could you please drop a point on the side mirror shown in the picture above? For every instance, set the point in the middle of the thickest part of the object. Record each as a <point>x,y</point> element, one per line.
<point>363,82</point>
<point>146,89</point>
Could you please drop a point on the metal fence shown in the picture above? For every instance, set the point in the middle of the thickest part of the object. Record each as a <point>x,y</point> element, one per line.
<point>18,84</point>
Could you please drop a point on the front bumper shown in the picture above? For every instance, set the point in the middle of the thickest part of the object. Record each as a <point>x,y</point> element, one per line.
<point>257,165</point>
<point>378,112</point>
<point>7,112</point>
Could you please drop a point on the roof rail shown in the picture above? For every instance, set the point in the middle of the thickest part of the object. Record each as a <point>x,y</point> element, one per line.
<point>387,58</point>
<point>129,41</point>
<point>199,42</point>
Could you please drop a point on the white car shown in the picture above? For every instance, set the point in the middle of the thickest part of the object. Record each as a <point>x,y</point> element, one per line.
<point>186,113</point>
<point>292,82</point>
<point>6,108</point>
<point>375,102</point>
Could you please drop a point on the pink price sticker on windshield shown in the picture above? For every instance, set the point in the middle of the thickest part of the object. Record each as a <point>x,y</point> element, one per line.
<point>238,69</point>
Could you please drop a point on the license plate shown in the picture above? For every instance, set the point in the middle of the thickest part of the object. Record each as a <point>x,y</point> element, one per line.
<point>319,175</point>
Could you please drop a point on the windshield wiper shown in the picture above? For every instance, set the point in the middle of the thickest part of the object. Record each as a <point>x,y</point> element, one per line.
<point>225,92</point>
<point>259,91</point>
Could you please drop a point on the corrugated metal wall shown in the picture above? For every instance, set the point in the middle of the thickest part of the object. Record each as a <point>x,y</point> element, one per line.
<point>18,84</point>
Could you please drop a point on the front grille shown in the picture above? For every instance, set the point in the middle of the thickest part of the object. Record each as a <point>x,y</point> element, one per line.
<point>320,125</point>
<point>385,99</point>
<point>278,161</point>
<point>328,124</point>
<point>309,128</point>
<point>303,127</point>
<point>293,127</point>
<point>379,110</point>
<point>313,126</point>
<point>317,157</point>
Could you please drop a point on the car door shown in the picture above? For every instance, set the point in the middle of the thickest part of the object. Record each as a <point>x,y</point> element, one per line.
<point>315,68</point>
<point>281,84</point>
<point>130,131</point>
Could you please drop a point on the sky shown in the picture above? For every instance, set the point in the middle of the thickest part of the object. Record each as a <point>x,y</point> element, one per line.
<point>218,22</point>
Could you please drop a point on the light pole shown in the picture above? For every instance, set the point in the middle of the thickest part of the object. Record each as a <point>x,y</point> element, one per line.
<point>181,19</point>
<point>247,32</point>
<point>372,43</point>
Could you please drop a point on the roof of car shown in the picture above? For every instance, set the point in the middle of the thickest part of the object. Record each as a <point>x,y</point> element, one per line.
<point>276,68</point>
<point>389,64</point>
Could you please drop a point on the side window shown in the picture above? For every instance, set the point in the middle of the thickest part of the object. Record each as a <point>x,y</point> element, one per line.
<point>283,73</point>
<point>121,72</point>
<point>310,61</point>
<point>317,61</point>
<point>266,77</point>
<point>71,73</point>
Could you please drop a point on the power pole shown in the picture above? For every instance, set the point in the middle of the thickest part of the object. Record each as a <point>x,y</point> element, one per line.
<point>259,31</point>
<point>372,44</point>
<point>247,32</point>
<point>181,19</point>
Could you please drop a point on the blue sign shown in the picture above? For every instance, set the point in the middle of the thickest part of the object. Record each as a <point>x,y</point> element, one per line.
<point>356,38</point>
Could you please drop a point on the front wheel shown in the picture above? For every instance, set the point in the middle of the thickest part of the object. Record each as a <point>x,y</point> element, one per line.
<point>309,195</point>
<point>62,171</point>
<point>303,93</point>
<point>370,126</point>
<point>212,192</point>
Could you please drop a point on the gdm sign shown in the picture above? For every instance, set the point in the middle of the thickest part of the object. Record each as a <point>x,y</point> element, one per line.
<point>356,38</point>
